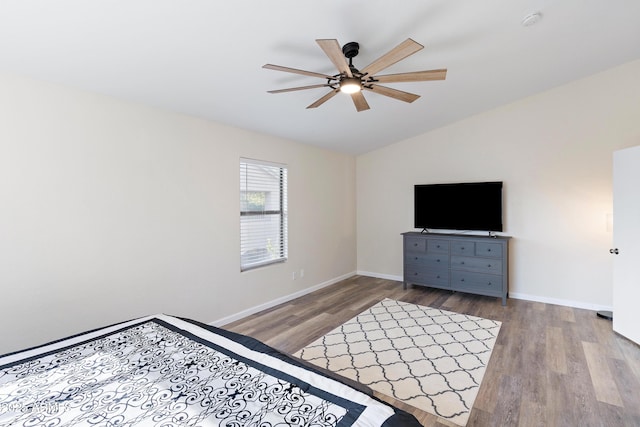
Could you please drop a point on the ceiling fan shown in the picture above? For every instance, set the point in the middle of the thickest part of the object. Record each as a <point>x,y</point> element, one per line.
<point>352,81</point>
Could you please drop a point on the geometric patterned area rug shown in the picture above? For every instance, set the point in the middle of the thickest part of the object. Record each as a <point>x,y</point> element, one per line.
<point>431,359</point>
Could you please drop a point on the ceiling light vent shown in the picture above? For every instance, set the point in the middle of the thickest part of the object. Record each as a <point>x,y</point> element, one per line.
<point>531,19</point>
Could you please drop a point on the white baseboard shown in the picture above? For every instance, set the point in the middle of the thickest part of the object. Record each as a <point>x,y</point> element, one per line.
<point>557,301</point>
<point>515,295</point>
<point>535,298</point>
<point>273,303</point>
<point>379,275</point>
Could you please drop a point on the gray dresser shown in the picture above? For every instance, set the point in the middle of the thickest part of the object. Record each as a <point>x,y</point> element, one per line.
<point>473,264</point>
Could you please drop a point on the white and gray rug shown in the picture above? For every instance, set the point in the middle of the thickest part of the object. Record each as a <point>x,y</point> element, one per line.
<point>431,359</point>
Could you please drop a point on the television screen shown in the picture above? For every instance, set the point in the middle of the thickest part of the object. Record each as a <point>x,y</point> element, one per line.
<point>470,206</point>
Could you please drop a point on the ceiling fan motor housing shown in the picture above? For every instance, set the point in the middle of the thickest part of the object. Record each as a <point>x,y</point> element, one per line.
<point>350,49</point>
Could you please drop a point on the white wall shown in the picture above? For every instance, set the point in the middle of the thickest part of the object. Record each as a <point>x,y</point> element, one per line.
<point>554,153</point>
<point>110,210</point>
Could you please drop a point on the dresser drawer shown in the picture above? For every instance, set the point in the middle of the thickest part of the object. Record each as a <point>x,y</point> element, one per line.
<point>488,284</point>
<point>415,274</point>
<point>493,250</point>
<point>415,244</point>
<point>481,265</point>
<point>463,248</point>
<point>427,260</point>
<point>437,246</point>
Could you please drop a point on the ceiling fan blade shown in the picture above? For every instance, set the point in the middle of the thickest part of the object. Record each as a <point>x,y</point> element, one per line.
<point>295,71</point>
<point>416,76</point>
<point>324,99</point>
<point>332,49</point>
<point>359,101</point>
<point>404,49</point>
<point>393,93</point>
<point>291,89</point>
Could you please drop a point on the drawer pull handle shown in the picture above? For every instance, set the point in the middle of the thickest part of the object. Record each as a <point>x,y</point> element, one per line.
<point>438,276</point>
<point>437,260</point>
<point>415,274</point>
<point>462,280</point>
<point>489,284</point>
<point>415,244</point>
<point>462,263</point>
<point>488,250</point>
<point>489,265</point>
<point>462,248</point>
<point>415,258</point>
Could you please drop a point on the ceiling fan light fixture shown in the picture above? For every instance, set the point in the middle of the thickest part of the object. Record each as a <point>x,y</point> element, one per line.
<point>350,85</point>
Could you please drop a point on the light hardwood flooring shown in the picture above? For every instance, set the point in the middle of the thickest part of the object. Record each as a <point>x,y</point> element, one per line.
<point>551,365</point>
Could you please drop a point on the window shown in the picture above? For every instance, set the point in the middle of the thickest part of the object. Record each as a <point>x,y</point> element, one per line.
<point>263,213</point>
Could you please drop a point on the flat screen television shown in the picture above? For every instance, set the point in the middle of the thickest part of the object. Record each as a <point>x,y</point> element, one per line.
<point>472,206</point>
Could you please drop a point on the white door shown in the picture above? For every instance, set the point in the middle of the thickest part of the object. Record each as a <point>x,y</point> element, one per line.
<point>626,242</point>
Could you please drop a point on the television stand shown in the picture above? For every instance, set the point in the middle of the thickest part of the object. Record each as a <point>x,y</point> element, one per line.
<point>464,263</point>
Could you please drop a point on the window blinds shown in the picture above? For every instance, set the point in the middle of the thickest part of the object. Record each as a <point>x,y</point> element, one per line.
<point>263,213</point>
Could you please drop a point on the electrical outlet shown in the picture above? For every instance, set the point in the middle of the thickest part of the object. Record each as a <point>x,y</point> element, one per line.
<point>302,272</point>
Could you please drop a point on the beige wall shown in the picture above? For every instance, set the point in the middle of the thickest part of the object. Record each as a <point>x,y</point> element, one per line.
<point>554,153</point>
<point>110,210</point>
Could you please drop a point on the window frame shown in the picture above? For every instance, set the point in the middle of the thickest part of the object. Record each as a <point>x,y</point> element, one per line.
<point>281,212</point>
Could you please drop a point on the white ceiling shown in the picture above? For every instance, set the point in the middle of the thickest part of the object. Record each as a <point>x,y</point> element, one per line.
<point>204,57</point>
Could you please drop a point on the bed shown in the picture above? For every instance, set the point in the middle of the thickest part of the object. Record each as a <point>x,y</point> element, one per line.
<point>167,371</point>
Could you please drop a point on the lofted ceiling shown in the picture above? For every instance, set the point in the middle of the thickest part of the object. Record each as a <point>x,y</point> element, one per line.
<point>204,57</point>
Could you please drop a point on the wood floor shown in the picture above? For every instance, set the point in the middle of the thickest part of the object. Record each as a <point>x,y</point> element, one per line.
<point>551,365</point>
